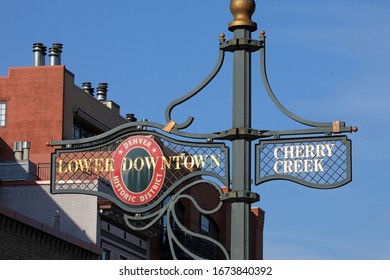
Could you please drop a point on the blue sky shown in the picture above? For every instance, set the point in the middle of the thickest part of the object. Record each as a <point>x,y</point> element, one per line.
<point>326,61</point>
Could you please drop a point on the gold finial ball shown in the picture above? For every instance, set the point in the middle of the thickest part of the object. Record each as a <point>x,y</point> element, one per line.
<point>242,10</point>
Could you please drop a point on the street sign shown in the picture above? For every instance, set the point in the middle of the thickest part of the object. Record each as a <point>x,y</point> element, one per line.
<point>317,162</point>
<point>146,172</point>
<point>137,169</point>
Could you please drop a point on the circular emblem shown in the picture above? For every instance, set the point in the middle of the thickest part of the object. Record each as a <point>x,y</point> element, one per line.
<point>139,171</point>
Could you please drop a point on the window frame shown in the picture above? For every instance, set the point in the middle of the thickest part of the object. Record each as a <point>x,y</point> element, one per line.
<point>3,113</point>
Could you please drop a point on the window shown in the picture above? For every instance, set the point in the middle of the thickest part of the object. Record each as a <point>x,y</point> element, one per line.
<point>82,130</point>
<point>76,132</point>
<point>106,254</point>
<point>208,226</point>
<point>204,224</point>
<point>3,107</point>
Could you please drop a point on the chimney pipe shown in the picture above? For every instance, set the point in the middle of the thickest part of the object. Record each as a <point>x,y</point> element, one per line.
<point>39,54</point>
<point>86,86</point>
<point>131,118</point>
<point>26,150</point>
<point>55,54</point>
<point>102,91</point>
<point>58,47</point>
<point>18,150</point>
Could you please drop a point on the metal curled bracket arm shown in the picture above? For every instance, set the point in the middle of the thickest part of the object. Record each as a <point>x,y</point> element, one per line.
<point>192,93</point>
<point>171,236</point>
<point>145,219</point>
<point>276,101</point>
<point>149,218</point>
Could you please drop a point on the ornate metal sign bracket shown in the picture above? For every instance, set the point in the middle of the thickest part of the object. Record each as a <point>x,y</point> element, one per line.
<point>143,169</point>
<point>149,174</point>
<point>327,128</point>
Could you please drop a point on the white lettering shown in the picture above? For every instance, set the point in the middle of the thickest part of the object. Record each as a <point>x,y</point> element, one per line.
<point>301,158</point>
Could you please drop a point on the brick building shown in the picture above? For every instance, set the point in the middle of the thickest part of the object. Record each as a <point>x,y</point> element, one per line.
<point>25,238</point>
<point>41,103</point>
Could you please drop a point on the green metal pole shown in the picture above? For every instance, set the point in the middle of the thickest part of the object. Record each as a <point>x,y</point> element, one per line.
<point>242,27</point>
<point>241,149</point>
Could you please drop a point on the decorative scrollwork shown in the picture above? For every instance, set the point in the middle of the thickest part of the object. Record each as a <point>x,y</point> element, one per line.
<point>274,98</point>
<point>177,234</point>
<point>192,93</point>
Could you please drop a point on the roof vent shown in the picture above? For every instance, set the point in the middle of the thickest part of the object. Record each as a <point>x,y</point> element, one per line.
<point>55,54</point>
<point>87,88</point>
<point>101,91</point>
<point>131,118</point>
<point>22,150</point>
<point>18,150</point>
<point>26,150</point>
<point>39,54</point>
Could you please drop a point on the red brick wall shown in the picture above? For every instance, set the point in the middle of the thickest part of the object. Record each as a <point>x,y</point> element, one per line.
<point>34,97</point>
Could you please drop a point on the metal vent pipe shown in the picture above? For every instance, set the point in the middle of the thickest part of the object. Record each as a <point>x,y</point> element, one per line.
<point>26,150</point>
<point>87,88</point>
<point>18,150</point>
<point>55,54</point>
<point>101,91</point>
<point>131,117</point>
<point>39,54</point>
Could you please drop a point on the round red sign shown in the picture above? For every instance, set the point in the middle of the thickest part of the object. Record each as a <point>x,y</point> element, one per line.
<point>139,172</point>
